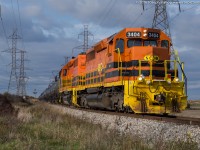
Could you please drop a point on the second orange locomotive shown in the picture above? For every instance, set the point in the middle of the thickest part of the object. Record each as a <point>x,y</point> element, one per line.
<point>128,71</point>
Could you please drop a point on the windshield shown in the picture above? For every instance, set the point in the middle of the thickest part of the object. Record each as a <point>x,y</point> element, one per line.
<point>134,42</point>
<point>150,43</point>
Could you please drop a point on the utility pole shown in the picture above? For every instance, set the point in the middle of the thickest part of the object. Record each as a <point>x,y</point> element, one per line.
<point>13,82</point>
<point>85,34</point>
<point>21,91</point>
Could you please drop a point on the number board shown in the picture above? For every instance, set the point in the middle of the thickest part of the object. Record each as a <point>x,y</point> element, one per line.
<point>153,35</point>
<point>133,34</point>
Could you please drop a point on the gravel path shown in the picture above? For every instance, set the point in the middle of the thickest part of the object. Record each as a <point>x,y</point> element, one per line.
<point>149,130</point>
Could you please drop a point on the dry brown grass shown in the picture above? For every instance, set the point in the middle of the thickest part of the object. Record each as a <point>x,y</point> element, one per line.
<point>40,126</point>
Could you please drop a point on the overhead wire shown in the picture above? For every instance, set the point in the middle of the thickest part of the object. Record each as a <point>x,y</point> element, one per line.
<point>183,11</point>
<point>134,21</point>
<point>103,14</point>
<point>139,16</point>
<point>140,23</point>
<point>108,12</point>
<point>15,21</point>
<point>118,21</point>
<point>20,23</point>
<point>4,31</point>
<point>108,7</point>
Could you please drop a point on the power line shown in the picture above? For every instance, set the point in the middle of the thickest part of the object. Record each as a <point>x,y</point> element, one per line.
<point>15,21</point>
<point>20,23</point>
<point>106,15</point>
<point>108,7</point>
<point>140,16</point>
<point>4,30</point>
<point>182,11</point>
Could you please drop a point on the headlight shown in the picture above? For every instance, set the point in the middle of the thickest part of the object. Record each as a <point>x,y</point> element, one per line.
<point>145,35</point>
<point>141,77</point>
<point>148,82</point>
<point>169,81</point>
<point>176,79</point>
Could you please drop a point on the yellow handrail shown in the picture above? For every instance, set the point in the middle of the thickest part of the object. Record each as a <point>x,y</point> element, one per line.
<point>119,63</point>
<point>140,72</point>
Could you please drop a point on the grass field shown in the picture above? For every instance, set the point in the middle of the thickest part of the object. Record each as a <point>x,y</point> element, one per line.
<point>40,127</point>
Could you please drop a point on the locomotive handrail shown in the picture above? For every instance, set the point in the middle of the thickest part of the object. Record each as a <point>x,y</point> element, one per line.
<point>184,78</point>
<point>175,68</point>
<point>151,68</point>
<point>181,65</point>
<point>119,63</point>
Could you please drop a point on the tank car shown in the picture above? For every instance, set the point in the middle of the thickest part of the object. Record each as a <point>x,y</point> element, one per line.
<point>129,71</point>
<point>51,93</point>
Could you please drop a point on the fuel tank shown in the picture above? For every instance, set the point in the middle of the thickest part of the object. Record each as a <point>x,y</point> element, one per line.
<point>99,101</point>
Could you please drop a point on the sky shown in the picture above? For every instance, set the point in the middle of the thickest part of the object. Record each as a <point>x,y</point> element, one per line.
<point>49,31</point>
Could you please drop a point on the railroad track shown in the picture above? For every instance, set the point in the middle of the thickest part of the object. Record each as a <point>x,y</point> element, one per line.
<point>166,118</point>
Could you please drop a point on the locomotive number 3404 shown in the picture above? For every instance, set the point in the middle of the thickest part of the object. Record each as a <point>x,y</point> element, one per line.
<point>153,35</point>
<point>133,34</point>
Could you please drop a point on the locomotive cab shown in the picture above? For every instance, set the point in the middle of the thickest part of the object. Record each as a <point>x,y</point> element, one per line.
<point>150,78</point>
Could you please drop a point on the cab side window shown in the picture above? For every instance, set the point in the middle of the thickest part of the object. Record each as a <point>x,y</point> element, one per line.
<point>64,72</point>
<point>120,45</point>
<point>165,43</point>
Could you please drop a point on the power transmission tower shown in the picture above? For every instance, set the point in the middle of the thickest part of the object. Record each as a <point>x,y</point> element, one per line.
<point>66,59</point>
<point>160,19</point>
<point>21,91</point>
<point>13,82</point>
<point>35,92</point>
<point>86,35</point>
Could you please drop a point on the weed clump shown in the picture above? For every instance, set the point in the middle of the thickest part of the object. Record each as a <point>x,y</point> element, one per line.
<point>6,107</point>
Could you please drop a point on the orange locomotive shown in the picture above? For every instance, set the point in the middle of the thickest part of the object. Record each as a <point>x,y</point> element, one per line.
<point>129,71</point>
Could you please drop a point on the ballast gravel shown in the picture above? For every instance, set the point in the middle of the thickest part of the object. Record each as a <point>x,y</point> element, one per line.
<point>148,130</point>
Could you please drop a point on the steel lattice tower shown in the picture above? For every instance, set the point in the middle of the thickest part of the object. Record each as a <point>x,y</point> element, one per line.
<point>160,19</point>
<point>13,82</point>
<point>85,34</point>
<point>21,91</point>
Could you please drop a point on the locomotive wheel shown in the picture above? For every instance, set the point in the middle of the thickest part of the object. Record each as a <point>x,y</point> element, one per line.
<point>84,102</point>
